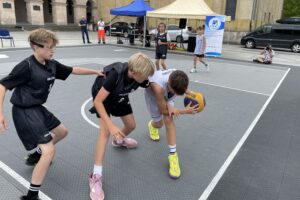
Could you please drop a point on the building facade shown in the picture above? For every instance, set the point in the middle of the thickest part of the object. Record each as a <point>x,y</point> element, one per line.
<point>39,12</point>
<point>245,14</point>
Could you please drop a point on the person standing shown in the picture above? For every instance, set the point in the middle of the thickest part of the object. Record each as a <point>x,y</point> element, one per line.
<point>162,40</point>
<point>199,51</point>
<point>101,32</point>
<point>84,30</point>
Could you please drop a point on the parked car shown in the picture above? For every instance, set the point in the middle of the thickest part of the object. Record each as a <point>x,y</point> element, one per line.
<point>279,35</point>
<point>120,29</point>
<point>175,33</point>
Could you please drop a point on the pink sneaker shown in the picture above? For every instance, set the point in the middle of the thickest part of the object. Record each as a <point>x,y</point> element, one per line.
<point>96,191</point>
<point>129,143</point>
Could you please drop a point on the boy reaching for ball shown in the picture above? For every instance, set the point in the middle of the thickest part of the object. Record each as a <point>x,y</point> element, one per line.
<point>164,86</point>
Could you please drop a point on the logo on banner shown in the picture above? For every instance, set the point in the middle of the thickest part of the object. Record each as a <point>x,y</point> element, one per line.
<point>214,23</point>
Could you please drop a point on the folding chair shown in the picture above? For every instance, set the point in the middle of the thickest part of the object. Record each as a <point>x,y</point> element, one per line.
<point>4,34</point>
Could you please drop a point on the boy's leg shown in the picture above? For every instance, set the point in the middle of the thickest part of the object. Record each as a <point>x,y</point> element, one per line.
<point>41,169</point>
<point>82,34</point>
<point>157,64</point>
<point>95,181</point>
<point>174,170</point>
<point>193,70</point>
<point>201,59</point>
<point>129,126</point>
<point>163,63</point>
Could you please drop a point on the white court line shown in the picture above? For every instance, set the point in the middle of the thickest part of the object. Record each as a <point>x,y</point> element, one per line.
<point>231,88</point>
<point>3,56</point>
<point>120,50</point>
<point>84,115</point>
<point>20,179</point>
<point>236,149</point>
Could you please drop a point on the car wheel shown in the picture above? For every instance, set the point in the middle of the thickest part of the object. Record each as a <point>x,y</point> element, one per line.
<point>179,39</point>
<point>250,44</point>
<point>107,33</point>
<point>296,47</point>
<point>126,34</point>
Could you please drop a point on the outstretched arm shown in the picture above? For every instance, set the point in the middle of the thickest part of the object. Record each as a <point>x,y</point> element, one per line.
<point>86,71</point>
<point>3,123</point>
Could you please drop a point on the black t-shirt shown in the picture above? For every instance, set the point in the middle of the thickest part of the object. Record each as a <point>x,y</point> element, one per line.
<point>111,81</point>
<point>33,81</point>
<point>83,24</point>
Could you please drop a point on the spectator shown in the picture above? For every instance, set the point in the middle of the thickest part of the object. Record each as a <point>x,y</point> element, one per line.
<point>267,55</point>
<point>84,30</point>
<point>162,40</point>
<point>101,32</point>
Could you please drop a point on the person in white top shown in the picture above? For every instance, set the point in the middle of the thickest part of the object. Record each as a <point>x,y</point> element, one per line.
<point>101,32</point>
<point>267,55</point>
<point>159,96</point>
<point>199,51</point>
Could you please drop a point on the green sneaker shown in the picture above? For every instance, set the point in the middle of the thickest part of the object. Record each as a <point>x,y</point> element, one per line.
<point>174,170</point>
<point>154,133</point>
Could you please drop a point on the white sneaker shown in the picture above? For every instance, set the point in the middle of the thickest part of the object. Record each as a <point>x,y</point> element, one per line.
<point>207,67</point>
<point>193,70</point>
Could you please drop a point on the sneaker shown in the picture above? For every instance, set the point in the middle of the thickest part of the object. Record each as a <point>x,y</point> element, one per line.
<point>96,191</point>
<point>103,42</point>
<point>174,170</point>
<point>207,67</point>
<point>33,158</point>
<point>128,143</point>
<point>27,198</point>
<point>193,70</point>
<point>154,133</point>
<point>89,42</point>
<point>99,42</point>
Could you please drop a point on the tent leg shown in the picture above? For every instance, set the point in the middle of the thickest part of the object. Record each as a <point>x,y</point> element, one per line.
<point>110,29</point>
<point>144,39</point>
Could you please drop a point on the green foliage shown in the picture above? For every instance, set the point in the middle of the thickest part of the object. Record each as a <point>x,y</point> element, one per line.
<point>291,8</point>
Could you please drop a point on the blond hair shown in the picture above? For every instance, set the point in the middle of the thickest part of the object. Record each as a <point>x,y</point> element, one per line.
<point>141,64</point>
<point>42,35</point>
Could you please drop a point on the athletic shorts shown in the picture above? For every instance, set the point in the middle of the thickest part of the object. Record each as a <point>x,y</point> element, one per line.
<point>34,125</point>
<point>199,55</point>
<point>159,55</point>
<point>152,106</point>
<point>116,108</point>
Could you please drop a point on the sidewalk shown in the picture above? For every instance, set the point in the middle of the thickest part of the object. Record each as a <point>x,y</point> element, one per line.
<point>235,52</point>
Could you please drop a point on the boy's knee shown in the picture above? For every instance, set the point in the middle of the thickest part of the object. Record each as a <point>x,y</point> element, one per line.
<point>168,120</point>
<point>131,126</point>
<point>64,132</point>
<point>48,152</point>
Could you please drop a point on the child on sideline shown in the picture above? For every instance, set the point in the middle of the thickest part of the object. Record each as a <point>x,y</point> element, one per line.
<point>199,51</point>
<point>164,86</point>
<point>162,40</point>
<point>110,94</point>
<point>32,80</point>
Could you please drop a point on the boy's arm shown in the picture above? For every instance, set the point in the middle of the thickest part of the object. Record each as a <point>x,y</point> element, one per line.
<point>158,93</point>
<point>204,45</point>
<point>117,134</point>
<point>86,71</point>
<point>3,123</point>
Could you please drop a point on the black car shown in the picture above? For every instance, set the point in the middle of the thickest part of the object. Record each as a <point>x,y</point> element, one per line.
<point>291,20</point>
<point>120,29</point>
<point>279,35</point>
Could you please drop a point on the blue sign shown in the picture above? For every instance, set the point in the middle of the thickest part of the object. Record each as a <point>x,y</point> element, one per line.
<point>214,32</point>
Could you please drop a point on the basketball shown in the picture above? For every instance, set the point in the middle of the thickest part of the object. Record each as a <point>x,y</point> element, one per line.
<point>195,98</point>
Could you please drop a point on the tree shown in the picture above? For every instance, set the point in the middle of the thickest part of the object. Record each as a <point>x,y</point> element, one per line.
<point>291,8</point>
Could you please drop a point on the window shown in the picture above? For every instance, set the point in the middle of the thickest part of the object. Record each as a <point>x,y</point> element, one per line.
<point>231,8</point>
<point>267,29</point>
<point>50,6</point>
<point>297,33</point>
<point>171,28</point>
<point>283,31</point>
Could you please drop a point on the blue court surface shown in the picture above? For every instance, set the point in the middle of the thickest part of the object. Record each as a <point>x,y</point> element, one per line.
<point>244,145</point>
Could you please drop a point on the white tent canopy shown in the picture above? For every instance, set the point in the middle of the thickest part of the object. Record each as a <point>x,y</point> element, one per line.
<point>190,9</point>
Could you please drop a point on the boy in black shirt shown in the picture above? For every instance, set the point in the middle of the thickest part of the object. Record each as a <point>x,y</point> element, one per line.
<point>162,40</point>
<point>110,94</point>
<point>32,80</point>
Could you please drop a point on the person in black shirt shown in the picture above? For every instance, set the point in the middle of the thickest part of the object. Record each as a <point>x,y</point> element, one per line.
<point>162,40</point>
<point>32,80</point>
<point>84,30</point>
<point>110,94</point>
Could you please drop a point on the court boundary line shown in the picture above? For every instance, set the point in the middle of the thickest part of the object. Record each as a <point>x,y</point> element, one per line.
<point>230,88</point>
<point>211,186</point>
<point>20,179</point>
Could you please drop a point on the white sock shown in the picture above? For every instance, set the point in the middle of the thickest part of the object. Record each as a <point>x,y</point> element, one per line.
<point>172,149</point>
<point>98,169</point>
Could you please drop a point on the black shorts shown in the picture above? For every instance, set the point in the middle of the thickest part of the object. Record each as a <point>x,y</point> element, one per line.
<point>33,125</point>
<point>199,55</point>
<point>159,55</point>
<point>116,108</point>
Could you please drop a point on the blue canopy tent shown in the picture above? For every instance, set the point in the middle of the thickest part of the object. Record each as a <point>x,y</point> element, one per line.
<point>137,8</point>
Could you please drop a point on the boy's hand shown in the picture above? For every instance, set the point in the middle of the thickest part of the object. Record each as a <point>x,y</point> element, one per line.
<point>191,109</point>
<point>116,133</point>
<point>3,123</point>
<point>100,73</point>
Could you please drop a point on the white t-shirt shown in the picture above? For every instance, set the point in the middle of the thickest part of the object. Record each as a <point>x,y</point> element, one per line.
<point>199,49</point>
<point>101,25</point>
